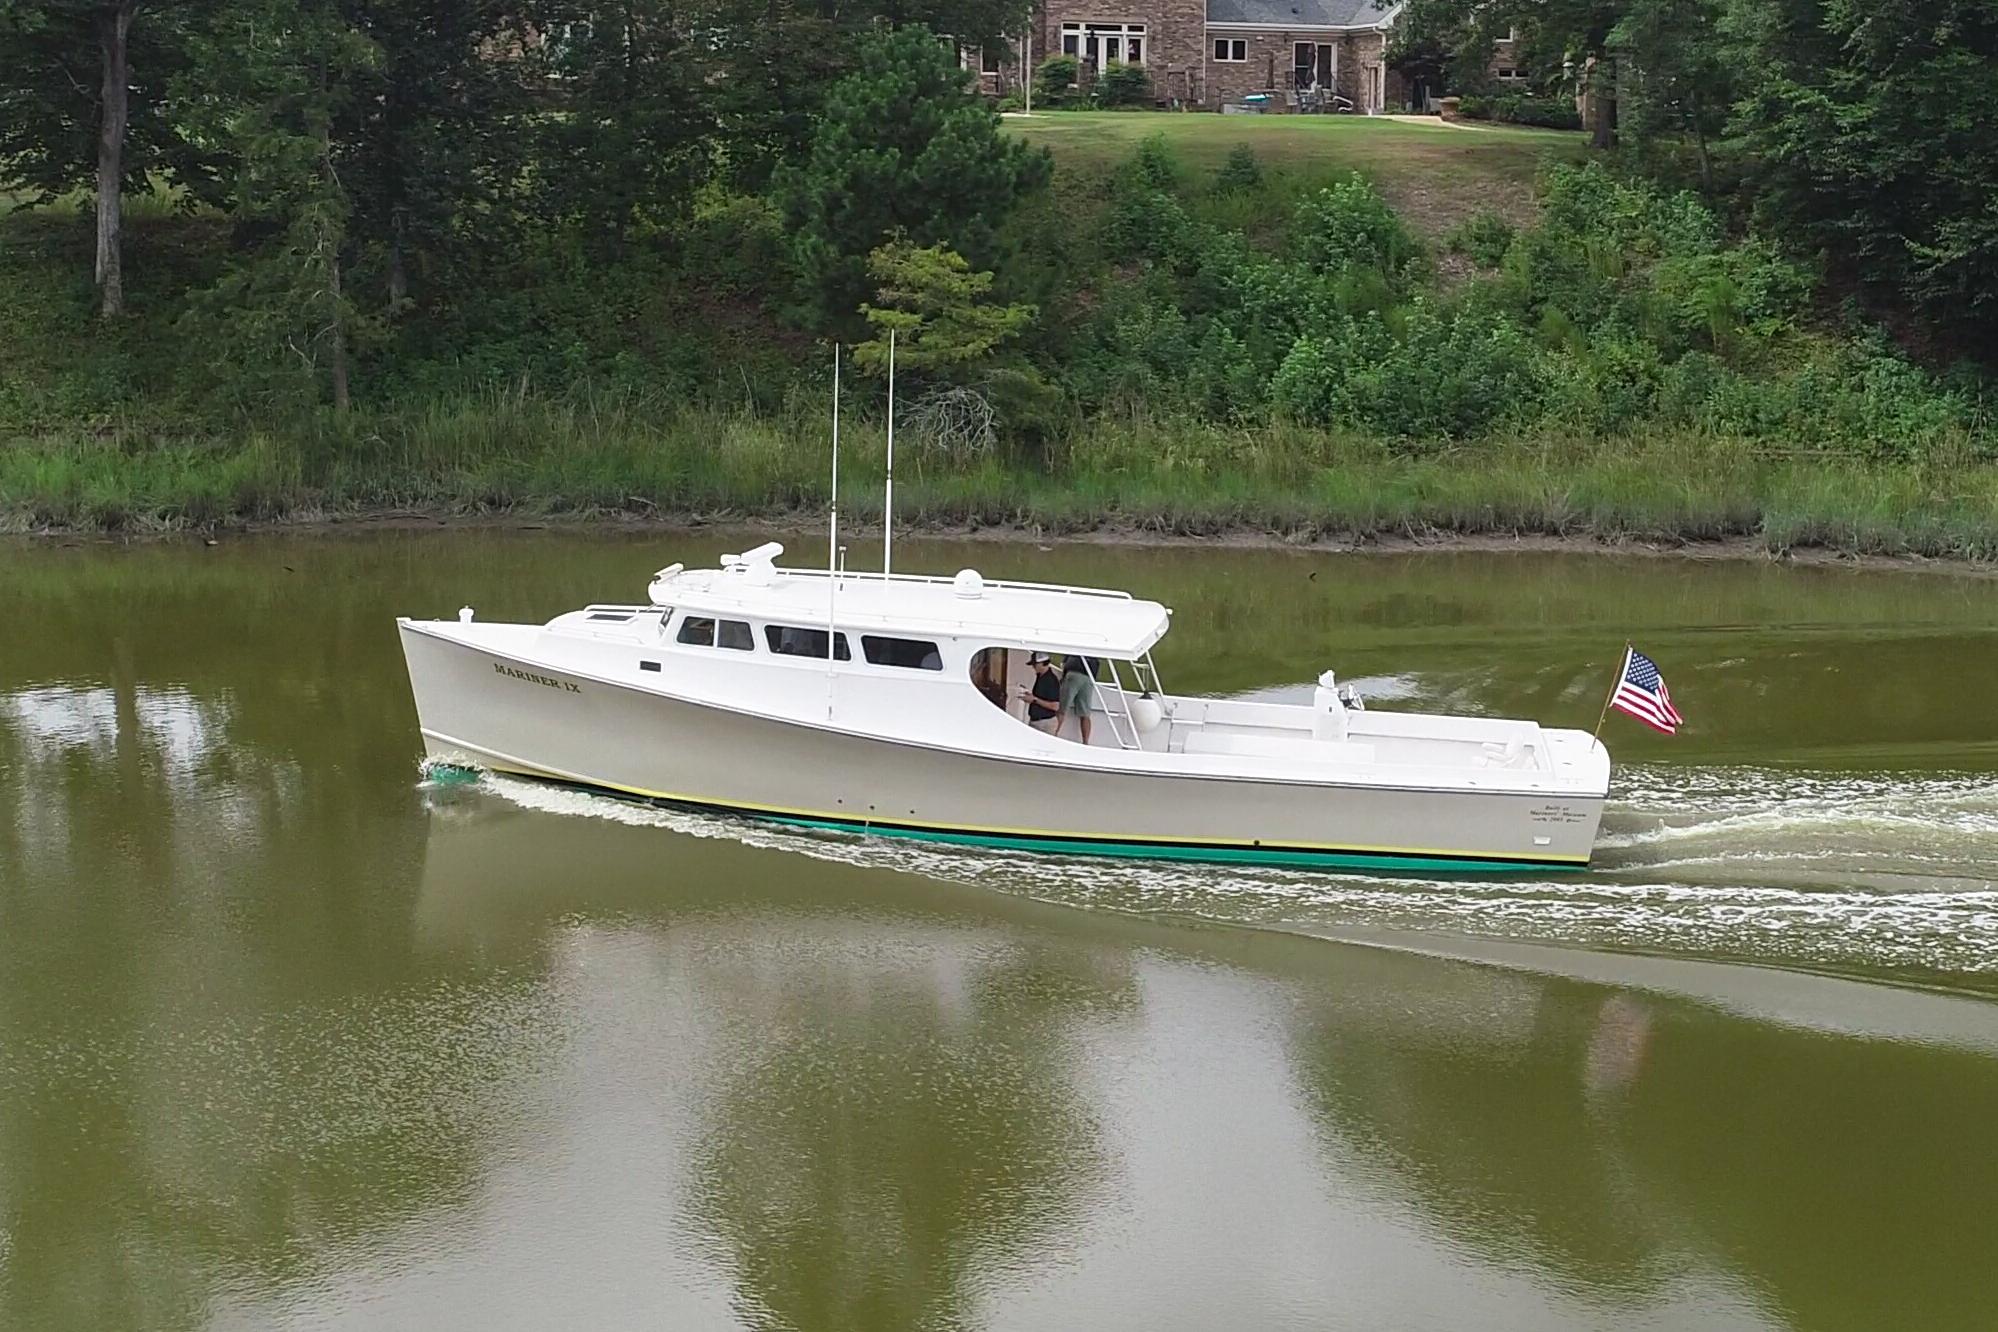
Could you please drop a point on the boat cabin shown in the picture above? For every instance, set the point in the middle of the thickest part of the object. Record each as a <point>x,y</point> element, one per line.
<point>907,652</point>
<point>952,662</point>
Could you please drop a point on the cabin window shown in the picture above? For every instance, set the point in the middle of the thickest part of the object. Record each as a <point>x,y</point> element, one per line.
<point>790,641</point>
<point>914,654</point>
<point>615,617</point>
<point>706,631</point>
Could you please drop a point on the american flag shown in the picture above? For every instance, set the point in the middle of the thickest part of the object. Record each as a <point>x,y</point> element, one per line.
<point>1642,693</point>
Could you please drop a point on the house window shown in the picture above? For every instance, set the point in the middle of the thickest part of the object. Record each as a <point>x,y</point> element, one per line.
<point>988,63</point>
<point>704,631</point>
<point>1511,76</point>
<point>1101,43</point>
<point>788,641</point>
<point>1233,50</point>
<point>913,654</point>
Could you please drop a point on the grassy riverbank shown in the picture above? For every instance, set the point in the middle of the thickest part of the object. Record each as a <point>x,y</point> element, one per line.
<point>1193,371</point>
<point>633,458</point>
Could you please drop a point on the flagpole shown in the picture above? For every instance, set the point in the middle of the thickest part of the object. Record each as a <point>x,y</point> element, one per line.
<point>1622,671</point>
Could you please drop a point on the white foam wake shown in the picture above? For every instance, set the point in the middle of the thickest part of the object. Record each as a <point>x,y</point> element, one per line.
<point>1862,873</point>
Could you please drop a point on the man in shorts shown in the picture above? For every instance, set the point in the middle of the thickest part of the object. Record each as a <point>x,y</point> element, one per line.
<point>1078,691</point>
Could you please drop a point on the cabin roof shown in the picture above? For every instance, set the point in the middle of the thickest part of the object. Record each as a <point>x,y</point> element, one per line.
<point>1031,615</point>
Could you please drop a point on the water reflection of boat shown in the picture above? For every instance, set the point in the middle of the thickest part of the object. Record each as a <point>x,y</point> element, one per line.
<point>721,693</point>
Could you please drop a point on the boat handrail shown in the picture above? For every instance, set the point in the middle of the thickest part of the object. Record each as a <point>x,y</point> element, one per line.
<point>618,606</point>
<point>1116,684</point>
<point>1114,594</point>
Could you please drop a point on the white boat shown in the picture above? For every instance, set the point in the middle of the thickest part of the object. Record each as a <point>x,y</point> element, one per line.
<point>718,693</point>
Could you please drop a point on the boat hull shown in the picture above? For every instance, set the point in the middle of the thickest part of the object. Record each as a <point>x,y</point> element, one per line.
<point>504,714</point>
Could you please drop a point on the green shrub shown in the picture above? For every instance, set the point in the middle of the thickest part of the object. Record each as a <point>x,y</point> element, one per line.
<point>1122,84</point>
<point>736,240</point>
<point>1241,173</point>
<point>1348,223</point>
<point>1483,237</point>
<point>1055,80</point>
<point>1635,217</point>
<point>1154,166</point>
<point>1440,377</point>
<point>1517,109</point>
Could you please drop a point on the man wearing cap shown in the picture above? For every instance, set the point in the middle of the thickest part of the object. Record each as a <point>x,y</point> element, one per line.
<point>1044,702</point>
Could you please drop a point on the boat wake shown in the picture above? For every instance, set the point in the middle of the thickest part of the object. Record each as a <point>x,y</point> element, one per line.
<point>1859,872</point>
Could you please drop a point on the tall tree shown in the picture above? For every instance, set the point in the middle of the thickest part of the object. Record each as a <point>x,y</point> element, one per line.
<point>282,316</point>
<point>1580,31</point>
<point>85,105</point>
<point>432,134</point>
<point>113,23</point>
<point>635,131</point>
<point>903,147</point>
<point>1679,75</point>
<point>775,60</point>
<point>1870,131</point>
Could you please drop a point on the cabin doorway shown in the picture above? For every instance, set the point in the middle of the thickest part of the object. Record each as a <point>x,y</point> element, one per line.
<point>990,673</point>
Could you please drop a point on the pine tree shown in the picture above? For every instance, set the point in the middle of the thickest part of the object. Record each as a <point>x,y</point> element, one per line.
<point>902,148</point>
<point>281,320</point>
<point>635,132</point>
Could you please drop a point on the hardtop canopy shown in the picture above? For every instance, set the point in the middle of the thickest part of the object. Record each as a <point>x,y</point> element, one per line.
<point>1047,616</point>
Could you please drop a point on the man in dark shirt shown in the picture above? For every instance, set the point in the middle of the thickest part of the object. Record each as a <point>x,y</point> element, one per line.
<point>1044,703</point>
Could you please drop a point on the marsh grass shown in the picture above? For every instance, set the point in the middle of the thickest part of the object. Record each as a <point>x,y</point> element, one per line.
<point>629,455</point>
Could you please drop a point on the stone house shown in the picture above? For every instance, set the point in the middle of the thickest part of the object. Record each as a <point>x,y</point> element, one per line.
<point>1208,53</point>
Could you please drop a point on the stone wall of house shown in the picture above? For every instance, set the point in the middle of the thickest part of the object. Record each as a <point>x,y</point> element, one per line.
<point>1179,54</point>
<point>1267,70</point>
<point>1271,62</point>
<point>1174,31</point>
<point>1364,78</point>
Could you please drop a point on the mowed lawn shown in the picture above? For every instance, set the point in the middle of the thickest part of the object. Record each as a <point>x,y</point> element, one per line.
<point>1434,174</point>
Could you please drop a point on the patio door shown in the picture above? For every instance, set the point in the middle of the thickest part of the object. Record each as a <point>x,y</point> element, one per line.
<point>1312,65</point>
<point>1101,44</point>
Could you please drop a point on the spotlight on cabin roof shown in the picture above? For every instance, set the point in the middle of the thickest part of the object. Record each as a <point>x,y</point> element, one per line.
<point>969,584</point>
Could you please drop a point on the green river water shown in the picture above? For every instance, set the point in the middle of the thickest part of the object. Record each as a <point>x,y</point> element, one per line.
<point>294,1037</point>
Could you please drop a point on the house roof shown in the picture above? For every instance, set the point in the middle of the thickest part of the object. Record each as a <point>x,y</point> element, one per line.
<point>1298,13</point>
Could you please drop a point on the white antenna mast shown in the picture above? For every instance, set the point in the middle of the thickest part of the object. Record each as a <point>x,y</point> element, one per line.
<point>832,539</point>
<point>888,499</point>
